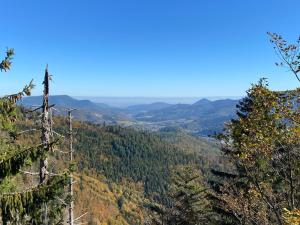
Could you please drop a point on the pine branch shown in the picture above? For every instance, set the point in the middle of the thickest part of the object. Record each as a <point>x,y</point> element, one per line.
<point>30,200</point>
<point>12,161</point>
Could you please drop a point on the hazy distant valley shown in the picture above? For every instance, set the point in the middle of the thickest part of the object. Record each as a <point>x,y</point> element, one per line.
<point>150,113</point>
<point>204,117</point>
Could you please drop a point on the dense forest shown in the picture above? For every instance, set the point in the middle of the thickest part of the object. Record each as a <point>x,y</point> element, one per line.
<point>121,166</point>
<point>54,170</point>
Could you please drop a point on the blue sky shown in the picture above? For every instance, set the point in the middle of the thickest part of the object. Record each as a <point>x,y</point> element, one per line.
<point>146,47</point>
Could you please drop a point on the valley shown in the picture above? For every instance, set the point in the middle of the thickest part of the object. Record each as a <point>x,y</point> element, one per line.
<point>201,118</point>
<point>125,169</point>
<point>149,113</point>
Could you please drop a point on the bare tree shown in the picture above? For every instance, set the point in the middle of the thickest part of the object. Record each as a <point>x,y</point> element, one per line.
<point>45,138</point>
<point>71,205</point>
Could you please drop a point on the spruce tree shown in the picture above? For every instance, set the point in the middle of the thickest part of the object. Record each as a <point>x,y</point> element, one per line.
<point>188,204</point>
<point>22,205</point>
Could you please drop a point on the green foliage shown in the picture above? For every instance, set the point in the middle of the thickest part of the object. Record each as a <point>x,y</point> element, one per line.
<point>188,194</point>
<point>7,185</point>
<point>13,157</point>
<point>18,205</point>
<point>6,62</point>
<point>263,143</point>
<point>8,110</point>
<point>188,203</point>
<point>22,207</point>
<point>119,152</point>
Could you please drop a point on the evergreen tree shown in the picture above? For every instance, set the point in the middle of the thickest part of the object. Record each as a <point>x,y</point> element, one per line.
<point>22,205</point>
<point>188,204</point>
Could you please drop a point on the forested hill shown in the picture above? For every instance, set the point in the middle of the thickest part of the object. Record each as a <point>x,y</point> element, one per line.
<point>124,168</point>
<point>203,118</point>
<point>86,110</point>
<point>142,156</point>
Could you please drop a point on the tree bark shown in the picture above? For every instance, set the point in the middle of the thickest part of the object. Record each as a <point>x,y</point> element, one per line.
<point>45,138</point>
<point>71,206</point>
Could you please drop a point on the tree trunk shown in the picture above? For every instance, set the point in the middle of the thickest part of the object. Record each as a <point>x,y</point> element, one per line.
<point>71,206</point>
<point>45,138</point>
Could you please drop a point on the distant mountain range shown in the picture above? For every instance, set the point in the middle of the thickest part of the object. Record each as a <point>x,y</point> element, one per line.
<point>85,109</point>
<point>124,102</point>
<point>204,117</point>
<point>64,100</point>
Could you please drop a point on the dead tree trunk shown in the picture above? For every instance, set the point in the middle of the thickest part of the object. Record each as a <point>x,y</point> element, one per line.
<point>71,206</point>
<point>45,138</point>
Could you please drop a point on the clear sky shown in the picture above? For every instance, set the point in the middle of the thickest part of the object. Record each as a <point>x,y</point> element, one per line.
<point>146,47</point>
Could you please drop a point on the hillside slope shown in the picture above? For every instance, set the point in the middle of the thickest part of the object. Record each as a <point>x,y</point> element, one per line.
<point>120,168</point>
<point>142,156</point>
<point>108,203</point>
<point>125,153</point>
<point>85,109</point>
<point>203,117</point>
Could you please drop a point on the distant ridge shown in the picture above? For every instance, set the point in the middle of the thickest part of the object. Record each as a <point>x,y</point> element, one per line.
<point>203,117</point>
<point>124,102</point>
<point>63,100</point>
<point>202,102</point>
<point>86,110</point>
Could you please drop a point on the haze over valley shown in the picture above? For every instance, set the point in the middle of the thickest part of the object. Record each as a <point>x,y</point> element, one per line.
<point>161,112</point>
<point>202,117</point>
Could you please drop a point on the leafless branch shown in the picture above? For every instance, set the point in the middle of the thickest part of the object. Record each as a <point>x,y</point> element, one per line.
<point>79,217</point>
<point>29,173</point>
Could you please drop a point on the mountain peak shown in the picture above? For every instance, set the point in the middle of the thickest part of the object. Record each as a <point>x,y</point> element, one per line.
<point>202,101</point>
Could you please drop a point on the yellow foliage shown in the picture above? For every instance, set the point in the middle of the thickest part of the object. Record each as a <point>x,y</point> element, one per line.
<point>292,217</point>
<point>100,198</point>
